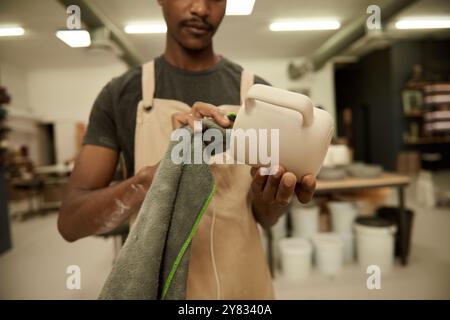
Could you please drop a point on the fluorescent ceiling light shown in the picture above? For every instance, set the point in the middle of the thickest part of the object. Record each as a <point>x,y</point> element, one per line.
<point>75,38</point>
<point>11,31</point>
<point>305,25</point>
<point>146,28</point>
<point>423,24</point>
<point>239,7</point>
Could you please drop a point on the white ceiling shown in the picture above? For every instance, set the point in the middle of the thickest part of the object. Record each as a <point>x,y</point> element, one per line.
<point>245,36</point>
<point>239,36</point>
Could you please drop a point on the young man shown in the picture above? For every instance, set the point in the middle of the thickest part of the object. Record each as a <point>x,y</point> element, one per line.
<point>134,115</point>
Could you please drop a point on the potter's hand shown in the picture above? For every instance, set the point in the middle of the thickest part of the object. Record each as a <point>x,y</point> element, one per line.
<point>272,193</point>
<point>198,111</point>
<point>144,178</point>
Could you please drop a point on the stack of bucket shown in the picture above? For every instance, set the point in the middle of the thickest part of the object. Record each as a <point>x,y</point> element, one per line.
<point>308,244</point>
<point>343,215</point>
<point>373,237</point>
<point>296,252</point>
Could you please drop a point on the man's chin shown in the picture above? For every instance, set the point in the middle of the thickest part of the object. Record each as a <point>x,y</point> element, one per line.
<point>196,45</point>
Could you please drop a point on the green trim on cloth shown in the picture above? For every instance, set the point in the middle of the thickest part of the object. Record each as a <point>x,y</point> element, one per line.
<point>154,261</point>
<point>187,243</point>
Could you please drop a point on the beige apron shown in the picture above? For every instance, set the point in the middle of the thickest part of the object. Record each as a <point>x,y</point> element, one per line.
<point>227,258</point>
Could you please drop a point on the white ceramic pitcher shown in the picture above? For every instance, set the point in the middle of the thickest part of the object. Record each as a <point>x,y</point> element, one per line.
<point>305,132</point>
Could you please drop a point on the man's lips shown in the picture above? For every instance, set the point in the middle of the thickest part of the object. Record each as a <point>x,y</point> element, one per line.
<point>197,28</point>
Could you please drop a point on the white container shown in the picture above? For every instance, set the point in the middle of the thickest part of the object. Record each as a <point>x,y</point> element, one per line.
<point>375,246</point>
<point>329,253</point>
<point>343,215</point>
<point>337,155</point>
<point>349,247</point>
<point>425,193</point>
<point>296,258</point>
<point>279,231</point>
<point>305,220</point>
<point>304,132</point>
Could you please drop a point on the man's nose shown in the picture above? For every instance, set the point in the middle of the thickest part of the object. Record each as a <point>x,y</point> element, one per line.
<point>200,7</point>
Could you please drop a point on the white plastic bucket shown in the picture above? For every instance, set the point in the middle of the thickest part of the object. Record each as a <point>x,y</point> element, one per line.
<point>349,246</point>
<point>329,252</point>
<point>375,246</point>
<point>343,215</point>
<point>296,258</point>
<point>279,231</point>
<point>305,221</point>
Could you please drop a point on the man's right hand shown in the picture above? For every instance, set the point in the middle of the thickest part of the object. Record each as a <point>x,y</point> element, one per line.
<point>144,178</point>
<point>91,205</point>
<point>198,111</point>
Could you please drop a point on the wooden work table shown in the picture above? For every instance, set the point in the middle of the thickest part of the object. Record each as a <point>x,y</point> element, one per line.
<point>351,183</point>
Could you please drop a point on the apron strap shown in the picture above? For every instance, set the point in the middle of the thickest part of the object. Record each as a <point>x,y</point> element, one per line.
<point>148,84</point>
<point>247,80</point>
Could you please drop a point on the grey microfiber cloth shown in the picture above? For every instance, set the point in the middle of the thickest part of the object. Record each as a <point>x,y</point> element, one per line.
<point>153,263</point>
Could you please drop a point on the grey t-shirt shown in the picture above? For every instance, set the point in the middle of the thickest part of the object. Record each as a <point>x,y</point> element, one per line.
<point>113,117</point>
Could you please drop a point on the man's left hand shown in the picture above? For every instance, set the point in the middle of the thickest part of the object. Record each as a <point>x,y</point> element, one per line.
<point>272,193</point>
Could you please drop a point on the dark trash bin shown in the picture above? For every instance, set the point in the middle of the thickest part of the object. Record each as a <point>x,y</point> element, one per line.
<point>393,214</point>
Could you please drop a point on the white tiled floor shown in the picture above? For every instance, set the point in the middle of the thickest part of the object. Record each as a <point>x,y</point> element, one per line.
<point>36,267</point>
<point>426,277</point>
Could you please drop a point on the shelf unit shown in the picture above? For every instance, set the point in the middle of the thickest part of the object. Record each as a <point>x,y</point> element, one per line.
<point>414,114</point>
<point>428,140</point>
